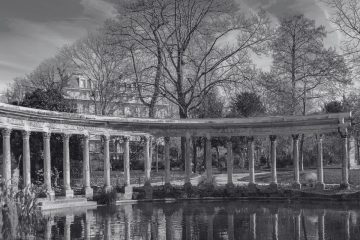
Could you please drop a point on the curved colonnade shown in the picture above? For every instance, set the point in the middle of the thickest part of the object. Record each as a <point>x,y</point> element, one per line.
<point>33,120</point>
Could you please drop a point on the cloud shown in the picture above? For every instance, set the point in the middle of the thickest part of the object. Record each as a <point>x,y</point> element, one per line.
<point>31,31</point>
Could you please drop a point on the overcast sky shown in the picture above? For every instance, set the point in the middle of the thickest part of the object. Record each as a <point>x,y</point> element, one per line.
<point>33,30</point>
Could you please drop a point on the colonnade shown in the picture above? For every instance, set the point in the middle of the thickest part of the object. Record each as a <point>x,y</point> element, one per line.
<point>147,161</point>
<point>69,193</point>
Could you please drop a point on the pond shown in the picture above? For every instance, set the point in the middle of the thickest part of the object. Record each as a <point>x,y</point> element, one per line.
<point>208,220</point>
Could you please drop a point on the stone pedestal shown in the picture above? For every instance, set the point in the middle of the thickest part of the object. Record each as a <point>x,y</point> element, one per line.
<point>69,193</point>
<point>252,187</point>
<point>273,187</point>
<point>320,186</point>
<point>128,192</point>
<point>50,194</point>
<point>148,191</point>
<point>296,185</point>
<point>89,193</point>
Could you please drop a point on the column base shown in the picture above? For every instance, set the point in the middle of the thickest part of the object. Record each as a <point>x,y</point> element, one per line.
<point>320,186</point>
<point>230,185</point>
<point>148,191</point>
<point>252,187</point>
<point>187,187</point>
<point>345,186</point>
<point>296,185</point>
<point>69,193</point>
<point>50,194</point>
<point>168,187</point>
<point>89,193</point>
<point>108,189</point>
<point>273,187</point>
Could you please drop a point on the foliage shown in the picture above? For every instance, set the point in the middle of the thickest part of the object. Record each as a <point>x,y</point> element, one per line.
<point>20,212</point>
<point>303,70</point>
<point>246,104</point>
<point>104,197</point>
<point>334,107</point>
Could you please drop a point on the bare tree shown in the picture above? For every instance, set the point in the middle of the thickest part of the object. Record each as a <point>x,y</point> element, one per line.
<point>52,73</point>
<point>138,30</point>
<point>103,65</point>
<point>346,17</point>
<point>303,69</point>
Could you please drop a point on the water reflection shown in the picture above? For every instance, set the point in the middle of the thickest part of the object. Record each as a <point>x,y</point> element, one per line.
<point>207,220</point>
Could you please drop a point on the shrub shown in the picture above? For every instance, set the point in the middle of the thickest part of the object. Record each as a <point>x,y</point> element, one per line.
<point>107,198</point>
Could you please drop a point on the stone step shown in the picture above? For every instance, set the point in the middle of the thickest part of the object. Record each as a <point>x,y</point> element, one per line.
<point>50,205</point>
<point>63,200</point>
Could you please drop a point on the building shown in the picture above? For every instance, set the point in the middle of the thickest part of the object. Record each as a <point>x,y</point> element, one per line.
<point>80,89</point>
<point>79,92</point>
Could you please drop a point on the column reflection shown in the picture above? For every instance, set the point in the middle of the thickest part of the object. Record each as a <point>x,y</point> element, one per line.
<point>321,225</point>
<point>69,219</point>
<point>253,226</point>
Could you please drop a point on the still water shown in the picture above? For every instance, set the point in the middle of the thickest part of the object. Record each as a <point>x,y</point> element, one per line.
<point>209,220</point>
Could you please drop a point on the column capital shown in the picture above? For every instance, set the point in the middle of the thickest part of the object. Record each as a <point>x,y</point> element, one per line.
<point>295,136</point>
<point>146,138</point>
<point>46,135</point>
<point>66,136</point>
<point>86,136</point>
<point>26,134</point>
<point>106,137</point>
<point>188,135</point>
<point>6,131</point>
<point>319,137</point>
<point>208,136</point>
<point>343,132</point>
<point>272,138</point>
<point>250,139</point>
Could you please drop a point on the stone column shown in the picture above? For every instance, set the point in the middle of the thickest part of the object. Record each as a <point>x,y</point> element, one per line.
<point>69,193</point>
<point>252,184</point>
<point>208,159</point>
<point>6,132</point>
<point>252,226</point>
<point>187,160</point>
<point>86,168</point>
<point>296,183</point>
<point>274,182</point>
<point>230,162</point>
<point>167,161</point>
<point>26,158</point>
<point>345,170</point>
<point>47,165</point>
<point>127,160</point>
<point>147,160</point>
<point>320,170</point>
<point>107,176</point>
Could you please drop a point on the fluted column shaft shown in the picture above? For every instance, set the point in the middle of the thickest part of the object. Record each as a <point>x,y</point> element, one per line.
<point>208,158</point>
<point>273,159</point>
<point>187,159</point>
<point>320,168</point>
<point>296,183</point>
<point>167,160</point>
<point>344,160</point>
<point>6,156</point>
<point>47,164</point>
<point>147,160</point>
<point>127,161</point>
<point>66,165</point>
<point>230,162</point>
<point>86,167</point>
<point>107,163</point>
<point>26,158</point>
<point>251,159</point>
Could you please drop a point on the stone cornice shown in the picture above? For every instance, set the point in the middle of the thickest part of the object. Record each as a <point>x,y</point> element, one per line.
<point>42,120</point>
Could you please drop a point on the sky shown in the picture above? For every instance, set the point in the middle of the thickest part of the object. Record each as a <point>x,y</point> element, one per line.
<point>34,30</point>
